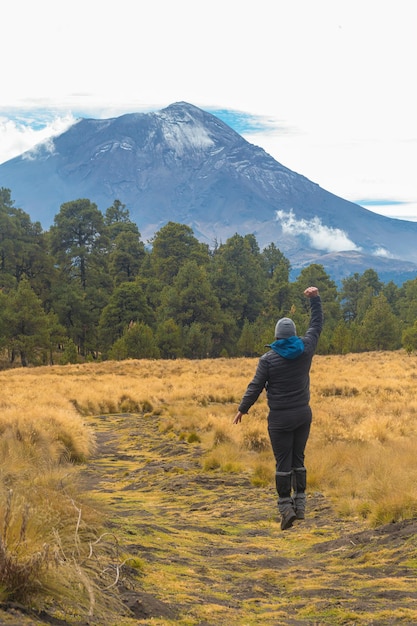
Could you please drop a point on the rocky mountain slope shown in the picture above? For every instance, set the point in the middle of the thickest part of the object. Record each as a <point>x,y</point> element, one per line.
<point>186,165</point>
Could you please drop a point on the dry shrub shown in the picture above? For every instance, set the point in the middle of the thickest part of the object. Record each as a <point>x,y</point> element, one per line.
<point>192,437</point>
<point>263,474</point>
<point>211,462</point>
<point>338,391</point>
<point>20,569</point>
<point>226,458</point>
<point>127,404</point>
<point>221,435</point>
<point>392,508</point>
<point>50,547</point>
<point>147,406</point>
<point>53,435</point>
<point>167,426</point>
<point>374,428</point>
<point>232,467</point>
<point>107,407</point>
<point>256,440</point>
<point>374,480</point>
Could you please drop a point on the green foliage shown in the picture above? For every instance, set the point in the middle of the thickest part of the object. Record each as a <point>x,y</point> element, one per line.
<point>276,264</point>
<point>127,305</point>
<point>172,246</point>
<point>190,301</point>
<point>315,274</point>
<point>69,354</point>
<point>407,302</point>
<point>380,328</point>
<point>409,338</point>
<point>197,342</point>
<point>137,342</point>
<point>25,325</point>
<point>342,339</point>
<point>169,339</point>
<point>126,256</point>
<point>90,285</point>
<point>247,341</point>
<point>126,251</point>
<point>357,293</point>
<point>239,278</point>
<point>117,221</point>
<point>77,239</point>
<point>23,250</point>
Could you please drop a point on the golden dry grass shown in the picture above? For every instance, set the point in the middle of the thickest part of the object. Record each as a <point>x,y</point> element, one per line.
<point>361,452</point>
<point>361,449</point>
<point>363,442</point>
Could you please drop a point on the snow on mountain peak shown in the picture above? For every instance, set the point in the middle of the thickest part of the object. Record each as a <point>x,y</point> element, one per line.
<point>183,132</point>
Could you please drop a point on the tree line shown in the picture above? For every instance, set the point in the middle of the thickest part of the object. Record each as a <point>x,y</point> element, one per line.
<point>89,288</point>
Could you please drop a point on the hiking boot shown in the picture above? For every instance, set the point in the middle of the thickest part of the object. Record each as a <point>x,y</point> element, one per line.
<point>299,481</point>
<point>300,505</point>
<point>285,503</point>
<point>288,515</point>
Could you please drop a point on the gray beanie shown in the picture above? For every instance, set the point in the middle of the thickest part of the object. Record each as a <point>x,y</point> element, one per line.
<point>285,328</point>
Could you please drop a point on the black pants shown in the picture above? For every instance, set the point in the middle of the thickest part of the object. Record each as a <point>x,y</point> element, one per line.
<point>288,431</point>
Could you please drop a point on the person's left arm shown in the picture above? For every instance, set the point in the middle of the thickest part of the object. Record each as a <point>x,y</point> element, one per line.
<point>254,390</point>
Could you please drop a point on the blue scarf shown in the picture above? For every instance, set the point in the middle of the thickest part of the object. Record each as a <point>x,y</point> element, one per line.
<point>290,348</point>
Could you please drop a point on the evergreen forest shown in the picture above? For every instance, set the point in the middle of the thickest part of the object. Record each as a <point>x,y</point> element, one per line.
<point>90,289</point>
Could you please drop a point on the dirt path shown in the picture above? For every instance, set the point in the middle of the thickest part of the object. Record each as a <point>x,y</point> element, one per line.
<point>213,553</point>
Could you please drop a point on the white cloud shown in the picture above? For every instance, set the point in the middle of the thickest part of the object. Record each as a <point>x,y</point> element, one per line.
<point>46,146</point>
<point>19,135</point>
<point>321,237</point>
<point>383,252</point>
<point>339,76</point>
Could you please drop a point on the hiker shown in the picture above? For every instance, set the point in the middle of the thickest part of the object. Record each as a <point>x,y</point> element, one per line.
<point>284,372</point>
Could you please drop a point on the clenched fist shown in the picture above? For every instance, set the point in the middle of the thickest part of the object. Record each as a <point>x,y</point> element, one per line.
<point>311,292</point>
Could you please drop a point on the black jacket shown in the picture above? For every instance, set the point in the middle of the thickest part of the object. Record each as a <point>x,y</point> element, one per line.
<point>287,381</point>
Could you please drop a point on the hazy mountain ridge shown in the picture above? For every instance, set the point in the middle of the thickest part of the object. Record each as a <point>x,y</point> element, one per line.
<point>186,165</point>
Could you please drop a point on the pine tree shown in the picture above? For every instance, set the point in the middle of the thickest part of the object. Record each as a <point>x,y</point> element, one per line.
<point>26,325</point>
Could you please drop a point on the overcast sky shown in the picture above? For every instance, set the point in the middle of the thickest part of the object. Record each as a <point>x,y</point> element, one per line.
<point>327,87</point>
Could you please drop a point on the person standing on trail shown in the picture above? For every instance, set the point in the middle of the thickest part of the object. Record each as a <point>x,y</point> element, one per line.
<point>284,372</point>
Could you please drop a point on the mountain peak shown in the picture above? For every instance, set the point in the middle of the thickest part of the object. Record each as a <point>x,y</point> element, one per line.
<point>184,164</point>
<point>184,128</point>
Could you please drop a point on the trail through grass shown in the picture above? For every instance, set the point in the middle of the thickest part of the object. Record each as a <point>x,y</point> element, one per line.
<point>206,548</point>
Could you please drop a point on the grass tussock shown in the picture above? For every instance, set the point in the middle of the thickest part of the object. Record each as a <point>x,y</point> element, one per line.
<point>49,535</point>
<point>50,547</point>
